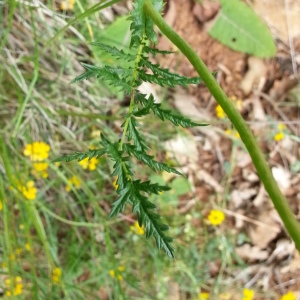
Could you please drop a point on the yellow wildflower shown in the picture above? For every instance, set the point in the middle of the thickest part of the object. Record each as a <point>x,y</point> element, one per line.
<point>216,217</point>
<point>203,296</point>
<point>89,164</point>
<point>116,274</point>
<point>67,4</point>
<point>115,184</point>
<point>27,247</point>
<point>237,103</point>
<point>248,294</point>
<point>1,205</point>
<point>232,133</point>
<point>73,181</point>
<point>29,190</point>
<point>135,228</point>
<point>95,133</point>
<point>279,136</point>
<point>220,112</point>
<point>56,275</point>
<point>19,251</point>
<point>40,169</point>
<point>281,126</point>
<point>288,296</point>
<point>37,151</point>
<point>12,256</point>
<point>21,227</point>
<point>13,287</point>
<point>3,265</point>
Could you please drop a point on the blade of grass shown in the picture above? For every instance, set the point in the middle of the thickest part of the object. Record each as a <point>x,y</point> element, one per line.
<point>20,113</point>
<point>87,13</point>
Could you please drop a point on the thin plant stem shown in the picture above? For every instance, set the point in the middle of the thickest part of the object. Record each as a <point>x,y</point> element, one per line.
<point>280,203</point>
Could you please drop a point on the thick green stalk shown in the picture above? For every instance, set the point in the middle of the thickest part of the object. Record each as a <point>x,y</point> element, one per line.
<point>290,222</point>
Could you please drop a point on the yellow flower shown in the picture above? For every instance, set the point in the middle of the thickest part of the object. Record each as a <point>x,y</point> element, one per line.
<point>220,112</point>
<point>281,127</point>
<point>279,136</point>
<point>137,229</point>
<point>21,227</point>
<point>14,286</point>
<point>115,183</point>
<point>288,296</point>
<point>216,217</point>
<point>237,103</point>
<point>232,133</point>
<point>56,275</point>
<point>203,296</point>
<point>27,247</point>
<point>67,4</point>
<point>248,294</point>
<point>89,164</point>
<point>37,151</point>
<point>29,190</point>
<point>12,256</point>
<point>116,274</point>
<point>19,251</point>
<point>73,181</point>
<point>95,133</point>
<point>1,205</point>
<point>40,169</point>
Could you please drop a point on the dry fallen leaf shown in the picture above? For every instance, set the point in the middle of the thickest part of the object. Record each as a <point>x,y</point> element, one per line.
<point>184,149</point>
<point>276,15</point>
<point>256,71</point>
<point>261,236</point>
<point>240,198</point>
<point>251,253</point>
<point>284,248</point>
<point>282,177</point>
<point>206,10</point>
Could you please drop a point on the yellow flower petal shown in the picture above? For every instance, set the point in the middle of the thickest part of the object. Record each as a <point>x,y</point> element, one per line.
<point>216,217</point>
<point>279,136</point>
<point>288,296</point>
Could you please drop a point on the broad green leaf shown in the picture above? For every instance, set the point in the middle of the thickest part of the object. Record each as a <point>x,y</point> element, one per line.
<point>239,28</point>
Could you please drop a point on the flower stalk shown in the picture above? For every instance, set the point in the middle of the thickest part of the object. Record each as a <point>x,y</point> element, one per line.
<point>280,203</point>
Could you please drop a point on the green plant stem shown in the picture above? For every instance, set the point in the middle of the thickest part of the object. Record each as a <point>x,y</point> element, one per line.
<point>290,222</point>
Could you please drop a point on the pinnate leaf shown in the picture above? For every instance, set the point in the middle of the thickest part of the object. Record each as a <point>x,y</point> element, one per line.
<point>149,160</point>
<point>81,155</point>
<point>120,54</point>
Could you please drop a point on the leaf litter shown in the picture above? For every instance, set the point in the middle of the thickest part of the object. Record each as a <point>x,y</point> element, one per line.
<point>264,86</point>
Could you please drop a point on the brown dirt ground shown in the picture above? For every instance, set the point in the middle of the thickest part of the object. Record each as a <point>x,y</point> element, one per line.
<point>232,67</point>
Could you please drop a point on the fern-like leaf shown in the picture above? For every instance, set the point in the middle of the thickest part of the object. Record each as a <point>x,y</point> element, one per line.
<point>153,188</point>
<point>174,79</point>
<point>81,155</point>
<point>107,73</point>
<point>163,114</point>
<point>155,51</point>
<point>133,134</point>
<point>167,81</point>
<point>150,220</point>
<point>119,205</point>
<point>120,54</point>
<point>137,25</point>
<point>149,160</point>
